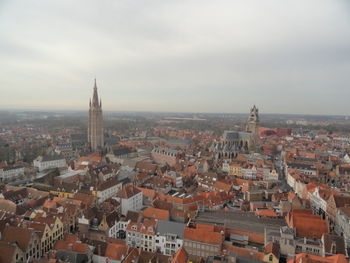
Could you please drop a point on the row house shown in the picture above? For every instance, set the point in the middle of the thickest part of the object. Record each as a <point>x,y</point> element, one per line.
<point>28,242</point>
<point>10,252</point>
<point>122,224</point>
<point>305,169</point>
<point>107,189</point>
<point>342,224</point>
<point>131,198</point>
<point>249,173</point>
<point>169,237</point>
<point>142,235</point>
<point>334,202</point>
<point>203,240</point>
<point>235,169</point>
<point>50,234</point>
<point>318,199</point>
<point>290,244</point>
<point>68,210</point>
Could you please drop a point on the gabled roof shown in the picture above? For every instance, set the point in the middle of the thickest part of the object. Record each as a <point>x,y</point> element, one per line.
<point>20,235</point>
<point>307,225</point>
<point>128,191</point>
<point>180,256</point>
<point>273,248</point>
<point>116,251</point>
<point>156,213</point>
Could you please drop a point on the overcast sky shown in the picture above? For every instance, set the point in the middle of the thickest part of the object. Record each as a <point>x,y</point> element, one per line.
<point>290,56</point>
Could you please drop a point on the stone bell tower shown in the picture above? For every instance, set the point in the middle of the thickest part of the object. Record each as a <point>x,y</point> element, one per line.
<point>253,120</point>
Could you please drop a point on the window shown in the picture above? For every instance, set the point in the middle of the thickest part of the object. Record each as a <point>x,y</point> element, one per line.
<point>270,258</point>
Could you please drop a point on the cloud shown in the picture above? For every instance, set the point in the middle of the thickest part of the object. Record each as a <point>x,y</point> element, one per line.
<point>208,56</point>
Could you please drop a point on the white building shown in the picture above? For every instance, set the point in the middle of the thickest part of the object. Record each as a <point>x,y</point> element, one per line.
<point>318,203</point>
<point>11,173</point>
<point>169,237</point>
<point>249,173</point>
<point>49,162</point>
<point>342,224</point>
<point>273,175</point>
<point>119,229</point>
<point>130,198</point>
<point>142,235</point>
<point>108,189</point>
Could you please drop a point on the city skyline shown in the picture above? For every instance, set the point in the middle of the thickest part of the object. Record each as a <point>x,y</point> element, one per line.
<point>177,57</point>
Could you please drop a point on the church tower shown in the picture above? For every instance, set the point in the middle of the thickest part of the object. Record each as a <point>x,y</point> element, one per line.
<point>95,126</point>
<point>253,120</point>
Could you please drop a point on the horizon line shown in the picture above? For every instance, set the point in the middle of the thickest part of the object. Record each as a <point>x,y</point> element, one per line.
<point>158,111</point>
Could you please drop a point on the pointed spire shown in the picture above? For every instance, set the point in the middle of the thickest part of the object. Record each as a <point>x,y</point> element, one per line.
<point>95,96</point>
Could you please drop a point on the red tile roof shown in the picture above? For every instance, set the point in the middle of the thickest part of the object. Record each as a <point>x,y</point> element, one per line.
<point>203,235</point>
<point>156,213</point>
<point>180,256</point>
<point>116,251</point>
<point>308,258</point>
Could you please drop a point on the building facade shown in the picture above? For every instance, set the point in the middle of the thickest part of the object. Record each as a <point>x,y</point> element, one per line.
<point>95,126</point>
<point>49,162</point>
<point>234,142</point>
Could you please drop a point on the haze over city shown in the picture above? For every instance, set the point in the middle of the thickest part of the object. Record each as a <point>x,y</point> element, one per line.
<point>194,56</point>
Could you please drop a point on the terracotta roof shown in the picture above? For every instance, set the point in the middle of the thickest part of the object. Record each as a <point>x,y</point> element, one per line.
<point>244,252</point>
<point>341,201</point>
<point>308,258</point>
<point>223,186</point>
<point>156,213</point>
<point>128,191</point>
<point>80,247</point>
<point>133,253</point>
<point>273,248</point>
<point>147,192</point>
<point>71,238</point>
<point>180,256</point>
<point>116,251</point>
<point>7,251</point>
<point>266,213</point>
<point>62,245</point>
<point>203,235</point>
<point>148,227</point>
<point>17,234</point>
<point>307,225</point>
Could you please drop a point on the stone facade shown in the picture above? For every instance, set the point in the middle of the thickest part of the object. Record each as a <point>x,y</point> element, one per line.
<point>234,142</point>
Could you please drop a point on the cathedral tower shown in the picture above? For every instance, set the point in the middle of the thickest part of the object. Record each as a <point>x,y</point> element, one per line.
<point>95,126</point>
<point>253,120</point>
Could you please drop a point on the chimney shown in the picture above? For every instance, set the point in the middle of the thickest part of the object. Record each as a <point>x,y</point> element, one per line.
<point>333,248</point>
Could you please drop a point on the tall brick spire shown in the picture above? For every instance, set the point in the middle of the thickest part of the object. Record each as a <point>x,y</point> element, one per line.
<point>95,127</point>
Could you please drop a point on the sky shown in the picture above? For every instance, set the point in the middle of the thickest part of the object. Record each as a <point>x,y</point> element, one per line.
<point>290,56</point>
